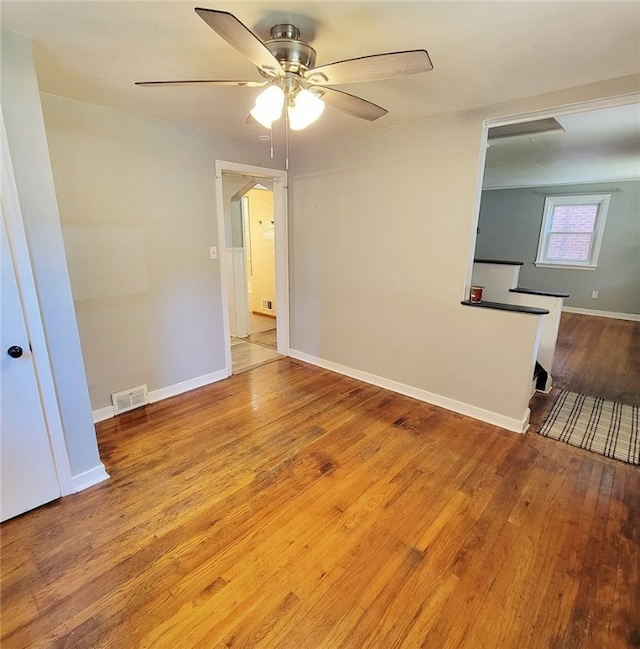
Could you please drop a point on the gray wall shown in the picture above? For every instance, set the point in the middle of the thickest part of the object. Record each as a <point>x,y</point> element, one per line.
<point>36,193</point>
<point>382,238</point>
<point>510,221</point>
<point>382,230</point>
<point>137,205</point>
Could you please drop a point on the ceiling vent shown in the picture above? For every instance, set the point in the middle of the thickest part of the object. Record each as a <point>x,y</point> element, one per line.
<point>129,399</point>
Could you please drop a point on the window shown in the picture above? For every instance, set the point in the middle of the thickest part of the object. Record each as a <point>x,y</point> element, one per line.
<point>571,233</point>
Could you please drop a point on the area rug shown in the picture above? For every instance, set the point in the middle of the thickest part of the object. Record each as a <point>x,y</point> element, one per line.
<point>605,427</point>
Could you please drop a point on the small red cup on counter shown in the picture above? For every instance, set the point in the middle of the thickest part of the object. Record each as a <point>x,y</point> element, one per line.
<point>475,294</point>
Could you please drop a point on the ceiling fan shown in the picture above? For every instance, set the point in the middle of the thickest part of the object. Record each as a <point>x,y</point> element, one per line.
<point>287,65</point>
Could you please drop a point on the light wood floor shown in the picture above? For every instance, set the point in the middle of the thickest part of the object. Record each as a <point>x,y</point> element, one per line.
<point>246,354</point>
<point>259,322</point>
<point>267,338</point>
<point>289,507</point>
<point>257,348</point>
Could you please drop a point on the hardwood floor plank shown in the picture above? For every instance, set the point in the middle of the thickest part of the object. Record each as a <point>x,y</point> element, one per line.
<point>291,507</point>
<point>599,357</point>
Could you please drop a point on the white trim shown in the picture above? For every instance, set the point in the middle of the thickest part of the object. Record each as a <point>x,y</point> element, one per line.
<point>515,118</point>
<point>564,183</point>
<point>102,414</point>
<point>566,109</point>
<point>550,204</point>
<point>240,296</point>
<point>573,266</point>
<point>635,317</point>
<point>185,386</point>
<point>170,391</point>
<point>89,478</point>
<point>473,235</point>
<point>279,179</point>
<point>494,418</point>
<point>33,319</point>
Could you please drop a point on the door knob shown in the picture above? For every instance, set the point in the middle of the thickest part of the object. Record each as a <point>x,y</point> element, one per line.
<point>14,351</point>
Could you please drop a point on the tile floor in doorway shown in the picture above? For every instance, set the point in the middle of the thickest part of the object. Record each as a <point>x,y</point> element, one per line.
<point>258,348</point>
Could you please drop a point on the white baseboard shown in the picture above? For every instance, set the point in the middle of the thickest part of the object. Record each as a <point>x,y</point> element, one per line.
<point>185,386</point>
<point>603,314</point>
<point>102,414</point>
<point>170,391</point>
<point>514,425</point>
<point>89,478</point>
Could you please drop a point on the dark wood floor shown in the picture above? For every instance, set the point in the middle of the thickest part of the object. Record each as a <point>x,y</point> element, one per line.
<point>596,356</point>
<point>291,507</point>
<point>599,357</point>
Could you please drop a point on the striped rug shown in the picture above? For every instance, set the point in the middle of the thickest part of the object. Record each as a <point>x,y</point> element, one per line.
<point>605,427</point>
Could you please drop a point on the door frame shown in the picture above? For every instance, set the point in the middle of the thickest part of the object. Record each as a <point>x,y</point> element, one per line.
<point>585,106</point>
<point>279,179</point>
<point>12,215</point>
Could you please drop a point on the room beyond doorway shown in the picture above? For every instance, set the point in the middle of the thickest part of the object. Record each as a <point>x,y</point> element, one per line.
<point>252,237</point>
<point>262,331</point>
<point>258,348</point>
<point>595,356</point>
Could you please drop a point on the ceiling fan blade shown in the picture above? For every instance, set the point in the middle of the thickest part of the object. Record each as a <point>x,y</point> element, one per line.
<point>350,104</point>
<point>242,38</point>
<point>212,82</point>
<point>371,68</point>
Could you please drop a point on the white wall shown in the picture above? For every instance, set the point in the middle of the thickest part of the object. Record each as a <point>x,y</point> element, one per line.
<point>383,230</point>
<point>137,205</point>
<point>36,193</point>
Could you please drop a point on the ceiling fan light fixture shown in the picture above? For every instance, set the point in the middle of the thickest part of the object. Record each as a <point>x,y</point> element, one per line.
<point>305,108</point>
<point>288,65</point>
<point>268,106</point>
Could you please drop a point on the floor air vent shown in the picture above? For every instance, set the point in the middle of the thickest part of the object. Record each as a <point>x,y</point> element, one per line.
<point>129,399</point>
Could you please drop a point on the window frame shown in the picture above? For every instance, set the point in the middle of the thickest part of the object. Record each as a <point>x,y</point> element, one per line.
<point>550,204</point>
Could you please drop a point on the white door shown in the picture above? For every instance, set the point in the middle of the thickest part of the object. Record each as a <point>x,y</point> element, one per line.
<point>28,476</point>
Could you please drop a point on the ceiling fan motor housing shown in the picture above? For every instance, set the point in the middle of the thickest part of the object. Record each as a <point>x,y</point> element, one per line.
<point>293,54</point>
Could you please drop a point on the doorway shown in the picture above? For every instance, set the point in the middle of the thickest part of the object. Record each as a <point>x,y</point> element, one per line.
<point>255,301</point>
<point>593,152</point>
<point>252,233</point>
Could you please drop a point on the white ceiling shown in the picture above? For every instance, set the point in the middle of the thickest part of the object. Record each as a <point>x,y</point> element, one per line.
<point>483,53</point>
<point>596,146</point>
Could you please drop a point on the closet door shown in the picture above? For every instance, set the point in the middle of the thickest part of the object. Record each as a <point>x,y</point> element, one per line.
<point>28,476</point>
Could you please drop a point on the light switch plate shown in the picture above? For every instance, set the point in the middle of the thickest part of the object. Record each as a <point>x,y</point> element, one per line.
<point>213,252</point>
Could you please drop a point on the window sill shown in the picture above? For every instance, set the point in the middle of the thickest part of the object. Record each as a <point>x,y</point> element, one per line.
<point>542,264</point>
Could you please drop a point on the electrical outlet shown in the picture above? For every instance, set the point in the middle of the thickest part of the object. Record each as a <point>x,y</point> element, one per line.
<point>594,294</point>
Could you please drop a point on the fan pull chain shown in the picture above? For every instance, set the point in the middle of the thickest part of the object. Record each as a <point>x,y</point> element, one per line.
<point>271,140</point>
<point>286,140</point>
